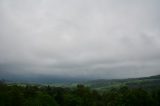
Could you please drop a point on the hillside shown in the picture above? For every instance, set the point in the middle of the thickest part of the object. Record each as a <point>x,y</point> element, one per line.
<point>140,91</point>
<point>152,82</point>
<point>145,82</point>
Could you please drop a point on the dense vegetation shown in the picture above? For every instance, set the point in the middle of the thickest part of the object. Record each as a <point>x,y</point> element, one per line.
<point>147,83</point>
<point>14,95</point>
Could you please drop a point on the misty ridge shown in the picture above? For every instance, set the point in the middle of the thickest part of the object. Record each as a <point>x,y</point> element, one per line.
<point>128,92</point>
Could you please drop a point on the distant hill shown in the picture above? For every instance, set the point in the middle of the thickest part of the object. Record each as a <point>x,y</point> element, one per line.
<point>151,82</point>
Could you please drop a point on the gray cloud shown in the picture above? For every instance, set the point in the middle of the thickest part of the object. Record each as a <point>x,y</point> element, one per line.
<point>80,38</point>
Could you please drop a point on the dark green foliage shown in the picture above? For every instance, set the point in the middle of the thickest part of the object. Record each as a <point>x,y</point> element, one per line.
<point>14,95</point>
<point>147,83</point>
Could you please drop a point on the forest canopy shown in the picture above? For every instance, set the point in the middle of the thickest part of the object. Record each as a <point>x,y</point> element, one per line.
<point>34,95</point>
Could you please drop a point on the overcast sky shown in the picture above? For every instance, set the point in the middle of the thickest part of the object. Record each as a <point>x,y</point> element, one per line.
<point>80,38</point>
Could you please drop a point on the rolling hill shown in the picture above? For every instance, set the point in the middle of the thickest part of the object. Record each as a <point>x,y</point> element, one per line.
<point>151,82</point>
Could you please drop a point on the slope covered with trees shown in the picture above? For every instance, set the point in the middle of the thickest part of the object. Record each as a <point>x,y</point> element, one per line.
<point>148,83</point>
<point>29,95</point>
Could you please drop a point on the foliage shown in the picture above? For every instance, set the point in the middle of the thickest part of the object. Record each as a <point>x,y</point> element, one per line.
<point>14,95</point>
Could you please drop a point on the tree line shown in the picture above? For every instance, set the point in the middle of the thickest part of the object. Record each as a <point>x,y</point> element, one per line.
<point>14,95</point>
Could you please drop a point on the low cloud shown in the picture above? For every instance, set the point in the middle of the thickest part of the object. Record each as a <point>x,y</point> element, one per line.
<point>83,39</point>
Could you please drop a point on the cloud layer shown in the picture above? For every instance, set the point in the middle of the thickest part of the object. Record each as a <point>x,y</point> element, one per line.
<point>80,38</point>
